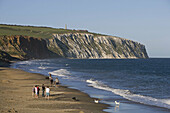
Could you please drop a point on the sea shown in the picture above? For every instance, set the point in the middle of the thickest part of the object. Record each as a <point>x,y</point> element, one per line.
<point>140,85</point>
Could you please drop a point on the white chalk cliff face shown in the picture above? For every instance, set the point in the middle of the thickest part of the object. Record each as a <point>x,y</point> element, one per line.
<point>88,46</point>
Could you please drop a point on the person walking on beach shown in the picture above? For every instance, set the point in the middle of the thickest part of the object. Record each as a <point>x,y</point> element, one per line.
<point>43,90</point>
<point>38,91</point>
<point>33,91</point>
<point>56,81</point>
<point>51,79</point>
<point>47,92</point>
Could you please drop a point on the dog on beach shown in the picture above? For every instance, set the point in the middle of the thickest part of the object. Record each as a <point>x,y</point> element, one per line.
<point>75,99</point>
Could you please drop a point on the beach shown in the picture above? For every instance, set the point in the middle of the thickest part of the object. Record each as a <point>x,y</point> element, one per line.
<point>16,95</point>
<point>111,80</point>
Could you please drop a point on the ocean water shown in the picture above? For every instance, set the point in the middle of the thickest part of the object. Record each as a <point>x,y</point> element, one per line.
<point>140,85</point>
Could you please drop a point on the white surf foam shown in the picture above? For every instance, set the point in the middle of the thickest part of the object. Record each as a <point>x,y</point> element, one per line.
<point>131,96</point>
<point>33,70</point>
<point>167,101</point>
<point>95,83</point>
<point>23,62</point>
<point>60,72</point>
<point>43,68</point>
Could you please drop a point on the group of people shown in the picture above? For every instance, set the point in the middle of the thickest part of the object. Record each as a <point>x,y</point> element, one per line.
<point>36,89</point>
<point>56,82</point>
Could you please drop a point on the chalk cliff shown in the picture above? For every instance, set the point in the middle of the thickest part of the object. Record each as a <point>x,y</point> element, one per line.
<point>72,45</point>
<point>84,45</point>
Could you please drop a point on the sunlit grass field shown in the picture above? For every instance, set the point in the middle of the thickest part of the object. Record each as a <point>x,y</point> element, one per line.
<point>33,31</point>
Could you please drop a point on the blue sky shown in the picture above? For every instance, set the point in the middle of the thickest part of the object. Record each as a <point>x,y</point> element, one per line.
<point>144,21</point>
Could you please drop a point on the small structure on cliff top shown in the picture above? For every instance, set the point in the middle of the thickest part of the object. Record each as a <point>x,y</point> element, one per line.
<point>65,26</point>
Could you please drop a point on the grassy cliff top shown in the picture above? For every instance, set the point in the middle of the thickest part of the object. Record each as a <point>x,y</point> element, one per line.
<point>33,31</point>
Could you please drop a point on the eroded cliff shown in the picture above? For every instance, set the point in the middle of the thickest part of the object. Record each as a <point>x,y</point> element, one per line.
<point>25,47</point>
<point>72,45</point>
<point>65,43</point>
<point>84,45</point>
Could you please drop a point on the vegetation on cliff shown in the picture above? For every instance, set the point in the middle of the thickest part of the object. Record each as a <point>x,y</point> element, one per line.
<point>33,31</point>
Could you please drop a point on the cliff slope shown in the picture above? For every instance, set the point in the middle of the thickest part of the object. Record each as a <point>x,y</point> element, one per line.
<point>20,42</point>
<point>86,45</point>
<point>25,47</point>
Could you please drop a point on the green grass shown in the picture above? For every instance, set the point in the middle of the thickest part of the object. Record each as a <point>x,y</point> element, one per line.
<point>33,31</point>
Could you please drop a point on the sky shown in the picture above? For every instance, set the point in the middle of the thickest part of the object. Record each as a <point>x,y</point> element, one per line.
<point>144,21</point>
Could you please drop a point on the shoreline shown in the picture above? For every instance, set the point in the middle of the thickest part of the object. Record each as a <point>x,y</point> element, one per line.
<point>16,88</point>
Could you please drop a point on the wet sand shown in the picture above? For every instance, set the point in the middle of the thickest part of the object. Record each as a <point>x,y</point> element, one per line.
<point>16,95</point>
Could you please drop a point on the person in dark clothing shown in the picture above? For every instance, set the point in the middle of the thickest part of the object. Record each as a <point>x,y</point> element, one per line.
<point>51,80</point>
<point>38,90</point>
<point>43,90</point>
<point>57,82</point>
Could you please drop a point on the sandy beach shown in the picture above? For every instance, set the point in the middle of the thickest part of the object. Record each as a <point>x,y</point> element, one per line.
<point>16,95</point>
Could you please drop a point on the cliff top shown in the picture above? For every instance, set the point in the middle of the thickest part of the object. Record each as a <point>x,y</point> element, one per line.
<point>34,31</point>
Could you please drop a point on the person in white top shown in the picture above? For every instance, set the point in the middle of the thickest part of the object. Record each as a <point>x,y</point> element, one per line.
<point>47,92</point>
<point>36,92</point>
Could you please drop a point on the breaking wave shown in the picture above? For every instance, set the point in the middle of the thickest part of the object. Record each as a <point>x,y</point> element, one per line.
<point>165,103</point>
<point>60,72</point>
